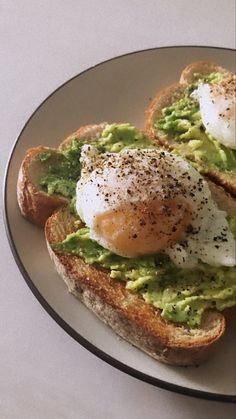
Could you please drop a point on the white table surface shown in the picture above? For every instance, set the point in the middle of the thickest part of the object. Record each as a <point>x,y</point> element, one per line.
<point>44,373</point>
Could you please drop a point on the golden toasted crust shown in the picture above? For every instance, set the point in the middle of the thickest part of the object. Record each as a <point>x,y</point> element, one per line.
<point>127,313</point>
<point>169,95</point>
<point>35,204</point>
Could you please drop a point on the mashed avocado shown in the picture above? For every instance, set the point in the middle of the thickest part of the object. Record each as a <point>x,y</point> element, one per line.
<point>117,137</point>
<point>183,123</point>
<point>182,295</point>
<point>63,170</point>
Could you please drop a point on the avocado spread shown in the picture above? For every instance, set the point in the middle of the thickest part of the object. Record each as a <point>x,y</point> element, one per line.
<point>63,168</point>
<point>181,120</point>
<point>182,295</point>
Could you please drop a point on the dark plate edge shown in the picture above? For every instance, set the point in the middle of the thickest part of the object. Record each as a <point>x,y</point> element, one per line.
<point>68,329</point>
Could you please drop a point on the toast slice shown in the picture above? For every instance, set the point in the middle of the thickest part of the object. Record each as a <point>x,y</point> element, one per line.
<point>35,204</point>
<point>126,312</point>
<point>170,95</point>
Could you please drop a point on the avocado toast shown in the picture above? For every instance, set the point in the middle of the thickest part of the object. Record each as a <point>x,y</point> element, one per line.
<point>107,283</point>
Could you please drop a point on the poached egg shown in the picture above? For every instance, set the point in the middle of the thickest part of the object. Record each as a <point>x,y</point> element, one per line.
<point>141,201</point>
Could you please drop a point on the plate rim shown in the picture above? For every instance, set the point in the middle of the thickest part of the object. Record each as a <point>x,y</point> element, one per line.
<point>43,302</point>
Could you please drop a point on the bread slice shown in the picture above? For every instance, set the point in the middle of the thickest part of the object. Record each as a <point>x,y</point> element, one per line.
<point>34,203</point>
<point>126,312</point>
<point>171,94</point>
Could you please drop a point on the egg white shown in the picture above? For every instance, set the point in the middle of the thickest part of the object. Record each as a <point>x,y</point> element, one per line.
<point>218,110</point>
<point>106,182</point>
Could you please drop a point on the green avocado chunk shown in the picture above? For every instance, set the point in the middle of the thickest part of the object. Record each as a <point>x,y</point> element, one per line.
<point>63,171</point>
<point>181,120</point>
<point>182,295</point>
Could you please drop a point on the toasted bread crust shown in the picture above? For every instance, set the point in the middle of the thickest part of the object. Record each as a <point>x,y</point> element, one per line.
<point>169,95</point>
<point>35,204</point>
<point>126,312</point>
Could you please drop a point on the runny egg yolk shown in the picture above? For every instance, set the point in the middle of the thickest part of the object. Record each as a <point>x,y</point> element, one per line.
<point>143,227</point>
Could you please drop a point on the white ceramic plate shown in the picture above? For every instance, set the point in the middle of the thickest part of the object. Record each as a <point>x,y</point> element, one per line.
<point>116,90</point>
